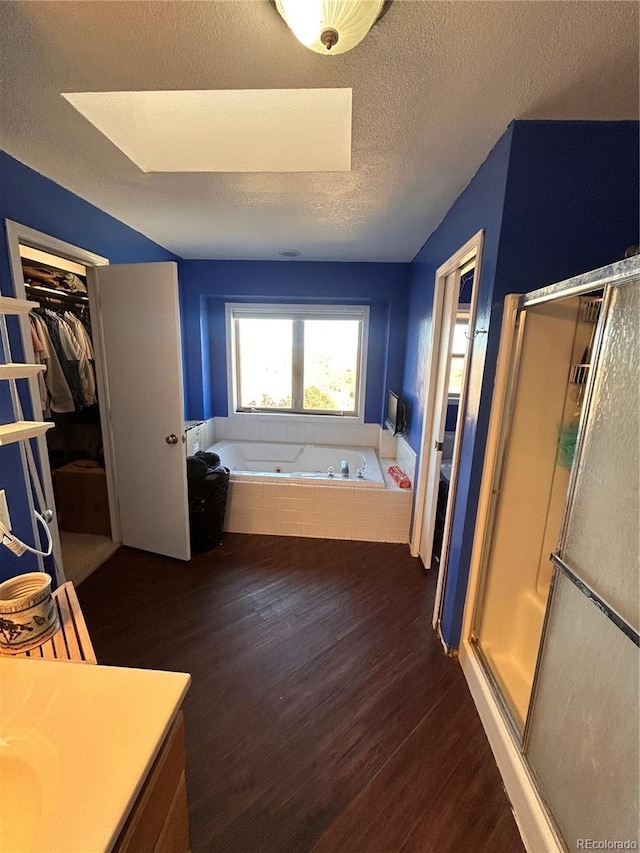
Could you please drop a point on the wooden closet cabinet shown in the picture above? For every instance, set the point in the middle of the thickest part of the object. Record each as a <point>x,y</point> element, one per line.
<point>158,821</point>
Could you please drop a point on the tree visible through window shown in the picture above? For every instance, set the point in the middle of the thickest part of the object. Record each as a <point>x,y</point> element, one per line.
<point>289,359</point>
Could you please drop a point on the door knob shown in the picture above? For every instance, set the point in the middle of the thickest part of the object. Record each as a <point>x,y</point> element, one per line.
<point>172,439</point>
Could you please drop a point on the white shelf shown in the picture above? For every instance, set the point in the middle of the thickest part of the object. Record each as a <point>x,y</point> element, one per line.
<point>9,305</point>
<point>20,371</point>
<point>21,430</point>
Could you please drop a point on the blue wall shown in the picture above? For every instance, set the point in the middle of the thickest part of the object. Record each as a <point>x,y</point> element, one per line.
<point>31,199</point>
<point>479,207</point>
<point>205,286</point>
<point>572,200</point>
<point>555,199</point>
<point>571,205</point>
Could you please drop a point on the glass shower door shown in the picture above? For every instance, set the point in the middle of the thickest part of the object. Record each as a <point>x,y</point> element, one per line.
<point>528,492</point>
<point>582,738</point>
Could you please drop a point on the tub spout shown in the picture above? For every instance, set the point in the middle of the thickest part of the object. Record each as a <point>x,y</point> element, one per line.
<point>344,469</point>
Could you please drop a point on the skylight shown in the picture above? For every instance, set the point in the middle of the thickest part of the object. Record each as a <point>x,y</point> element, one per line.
<point>239,130</point>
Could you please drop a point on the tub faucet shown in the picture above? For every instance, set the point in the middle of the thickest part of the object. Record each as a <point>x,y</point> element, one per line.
<point>344,469</point>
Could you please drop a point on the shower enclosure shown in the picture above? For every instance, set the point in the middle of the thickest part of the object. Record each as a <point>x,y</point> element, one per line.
<point>551,624</point>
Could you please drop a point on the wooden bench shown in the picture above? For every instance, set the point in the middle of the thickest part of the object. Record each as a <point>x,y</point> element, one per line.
<point>71,642</point>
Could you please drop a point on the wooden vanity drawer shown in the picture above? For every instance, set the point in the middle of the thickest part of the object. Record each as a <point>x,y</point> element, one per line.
<point>158,820</point>
<point>175,832</point>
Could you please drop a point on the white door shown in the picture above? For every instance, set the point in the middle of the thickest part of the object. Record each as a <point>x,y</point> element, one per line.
<point>139,340</point>
<point>437,425</point>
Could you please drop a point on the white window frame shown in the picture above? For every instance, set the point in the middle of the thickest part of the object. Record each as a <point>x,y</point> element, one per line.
<point>235,309</point>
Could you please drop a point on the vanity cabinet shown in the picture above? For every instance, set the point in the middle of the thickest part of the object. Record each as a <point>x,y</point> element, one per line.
<point>96,756</point>
<point>158,821</point>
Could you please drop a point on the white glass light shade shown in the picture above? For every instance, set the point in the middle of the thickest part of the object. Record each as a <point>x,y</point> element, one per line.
<point>350,20</point>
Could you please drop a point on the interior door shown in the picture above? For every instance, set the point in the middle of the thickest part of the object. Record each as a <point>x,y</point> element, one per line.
<point>139,340</point>
<point>451,291</point>
<point>457,442</point>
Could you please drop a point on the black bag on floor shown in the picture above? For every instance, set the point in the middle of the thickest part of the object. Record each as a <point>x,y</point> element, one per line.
<point>208,485</point>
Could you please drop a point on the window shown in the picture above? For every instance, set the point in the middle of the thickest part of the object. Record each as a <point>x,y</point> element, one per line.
<point>458,352</point>
<point>297,359</point>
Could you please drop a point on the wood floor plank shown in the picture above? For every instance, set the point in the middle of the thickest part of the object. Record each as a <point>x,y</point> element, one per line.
<point>414,774</point>
<point>462,815</point>
<point>323,714</point>
<point>322,710</point>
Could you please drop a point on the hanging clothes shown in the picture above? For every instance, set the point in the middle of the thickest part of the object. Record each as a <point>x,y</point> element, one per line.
<point>66,351</point>
<point>60,398</point>
<point>61,337</point>
<point>38,352</point>
<point>86,366</point>
<point>75,351</point>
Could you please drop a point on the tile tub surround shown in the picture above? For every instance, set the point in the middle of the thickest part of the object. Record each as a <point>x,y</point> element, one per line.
<point>198,435</point>
<point>292,430</point>
<point>336,511</point>
<point>406,459</point>
<point>294,509</point>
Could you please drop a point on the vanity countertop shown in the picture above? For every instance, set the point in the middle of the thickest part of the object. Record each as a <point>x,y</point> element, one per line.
<point>76,744</point>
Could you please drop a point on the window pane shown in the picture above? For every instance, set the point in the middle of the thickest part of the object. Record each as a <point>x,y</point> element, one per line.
<point>331,365</point>
<point>455,376</point>
<point>265,349</point>
<point>459,340</point>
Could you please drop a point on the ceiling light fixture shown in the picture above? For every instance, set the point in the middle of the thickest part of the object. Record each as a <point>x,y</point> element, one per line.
<point>331,26</point>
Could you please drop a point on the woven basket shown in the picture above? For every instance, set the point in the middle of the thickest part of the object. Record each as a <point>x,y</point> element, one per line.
<point>207,508</point>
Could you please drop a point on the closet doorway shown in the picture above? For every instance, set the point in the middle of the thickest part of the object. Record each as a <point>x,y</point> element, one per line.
<point>132,307</point>
<point>453,334</point>
<point>62,338</point>
<point>74,460</point>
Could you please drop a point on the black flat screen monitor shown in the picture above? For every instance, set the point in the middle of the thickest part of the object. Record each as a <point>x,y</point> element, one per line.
<point>396,417</point>
<point>395,414</point>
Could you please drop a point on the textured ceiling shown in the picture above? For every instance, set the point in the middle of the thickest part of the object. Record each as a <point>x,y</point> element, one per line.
<point>435,84</point>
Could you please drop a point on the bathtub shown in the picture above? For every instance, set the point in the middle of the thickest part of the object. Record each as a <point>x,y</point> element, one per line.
<point>283,489</point>
<point>300,463</point>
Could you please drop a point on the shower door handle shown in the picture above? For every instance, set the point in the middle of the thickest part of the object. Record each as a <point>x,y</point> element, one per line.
<point>439,445</point>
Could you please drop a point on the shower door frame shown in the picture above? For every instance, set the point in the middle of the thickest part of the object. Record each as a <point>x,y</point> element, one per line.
<point>508,743</point>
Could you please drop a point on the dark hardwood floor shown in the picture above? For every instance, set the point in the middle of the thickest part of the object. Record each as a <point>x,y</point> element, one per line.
<point>323,715</point>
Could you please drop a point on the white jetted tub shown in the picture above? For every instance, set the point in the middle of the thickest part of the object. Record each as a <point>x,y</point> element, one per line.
<point>255,460</point>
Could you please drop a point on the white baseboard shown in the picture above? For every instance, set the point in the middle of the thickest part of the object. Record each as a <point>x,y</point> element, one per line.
<point>535,827</point>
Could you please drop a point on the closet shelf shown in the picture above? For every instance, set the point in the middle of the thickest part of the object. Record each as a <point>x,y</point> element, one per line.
<point>591,309</point>
<point>38,291</point>
<point>20,371</point>
<point>21,430</point>
<point>9,305</point>
<point>579,374</point>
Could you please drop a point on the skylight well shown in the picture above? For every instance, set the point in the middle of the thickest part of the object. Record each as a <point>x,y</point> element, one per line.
<point>240,130</point>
